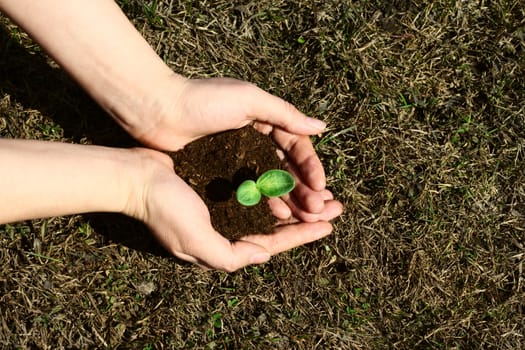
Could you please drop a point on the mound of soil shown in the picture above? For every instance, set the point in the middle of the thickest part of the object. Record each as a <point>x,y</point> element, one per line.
<point>214,166</point>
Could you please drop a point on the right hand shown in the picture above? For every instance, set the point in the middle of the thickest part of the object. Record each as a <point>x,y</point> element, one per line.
<point>181,222</point>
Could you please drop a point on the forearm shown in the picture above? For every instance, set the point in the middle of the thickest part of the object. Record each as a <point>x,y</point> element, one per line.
<point>42,179</point>
<point>97,45</point>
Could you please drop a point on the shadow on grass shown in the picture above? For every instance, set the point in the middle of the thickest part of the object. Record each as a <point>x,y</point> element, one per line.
<point>128,232</point>
<point>30,81</point>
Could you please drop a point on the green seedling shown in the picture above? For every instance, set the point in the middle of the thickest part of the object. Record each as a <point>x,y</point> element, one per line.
<point>273,183</point>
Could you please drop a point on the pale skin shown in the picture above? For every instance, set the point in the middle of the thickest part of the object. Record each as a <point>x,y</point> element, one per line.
<point>96,44</point>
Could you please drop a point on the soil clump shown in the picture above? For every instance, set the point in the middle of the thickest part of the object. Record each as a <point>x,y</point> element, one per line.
<point>214,166</point>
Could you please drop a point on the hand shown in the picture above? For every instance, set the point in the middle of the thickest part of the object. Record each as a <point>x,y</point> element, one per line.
<point>181,222</point>
<point>203,107</point>
<point>179,218</point>
<point>192,108</point>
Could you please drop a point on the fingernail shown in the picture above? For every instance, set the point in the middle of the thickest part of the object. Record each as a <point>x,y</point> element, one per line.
<point>260,258</point>
<point>316,123</point>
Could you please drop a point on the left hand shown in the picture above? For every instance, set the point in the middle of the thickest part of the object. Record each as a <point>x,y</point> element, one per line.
<point>202,107</point>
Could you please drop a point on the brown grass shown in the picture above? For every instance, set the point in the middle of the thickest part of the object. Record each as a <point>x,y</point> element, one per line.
<point>426,148</point>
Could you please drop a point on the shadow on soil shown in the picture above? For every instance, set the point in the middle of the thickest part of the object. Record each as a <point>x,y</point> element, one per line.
<point>30,81</point>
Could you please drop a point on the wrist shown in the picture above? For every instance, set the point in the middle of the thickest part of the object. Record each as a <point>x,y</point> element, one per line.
<point>143,170</point>
<point>141,107</point>
<point>109,59</point>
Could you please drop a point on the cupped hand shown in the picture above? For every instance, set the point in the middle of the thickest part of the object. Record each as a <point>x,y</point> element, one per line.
<point>206,106</point>
<point>181,222</point>
<point>177,215</point>
<point>200,107</point>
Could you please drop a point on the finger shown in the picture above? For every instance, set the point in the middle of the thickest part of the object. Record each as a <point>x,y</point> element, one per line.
<point>263,128</point>
<point>207,248</point>
<point>311,166</point>
<point>282,211</point>
<point>327,195</point>
<point>291,236</point>
<point>330,213</point>
<point>240,254</point>
<point>332,209</point>
<point>306,198</point>
<point>265,107</point>
<point>231,256</point>
<point>279,208</point>
<point>288,216</point>
<point>301,153</point>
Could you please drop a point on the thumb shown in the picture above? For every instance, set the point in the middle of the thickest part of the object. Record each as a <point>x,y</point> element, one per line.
<point>248,253</point>
<point>265,107</point>
<point>231,256</point>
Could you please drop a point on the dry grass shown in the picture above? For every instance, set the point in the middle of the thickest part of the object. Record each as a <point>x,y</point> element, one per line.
<point>426,148</point>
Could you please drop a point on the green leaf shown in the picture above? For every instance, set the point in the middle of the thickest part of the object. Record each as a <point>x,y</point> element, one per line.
<point>275,183</point>
<point>248,194</point>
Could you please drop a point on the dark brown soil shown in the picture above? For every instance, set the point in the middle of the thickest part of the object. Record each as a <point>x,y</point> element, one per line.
<point>215,166</point>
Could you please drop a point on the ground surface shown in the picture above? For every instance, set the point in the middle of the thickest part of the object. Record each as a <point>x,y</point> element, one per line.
<point>216,165</point>
<point>425,147</point>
